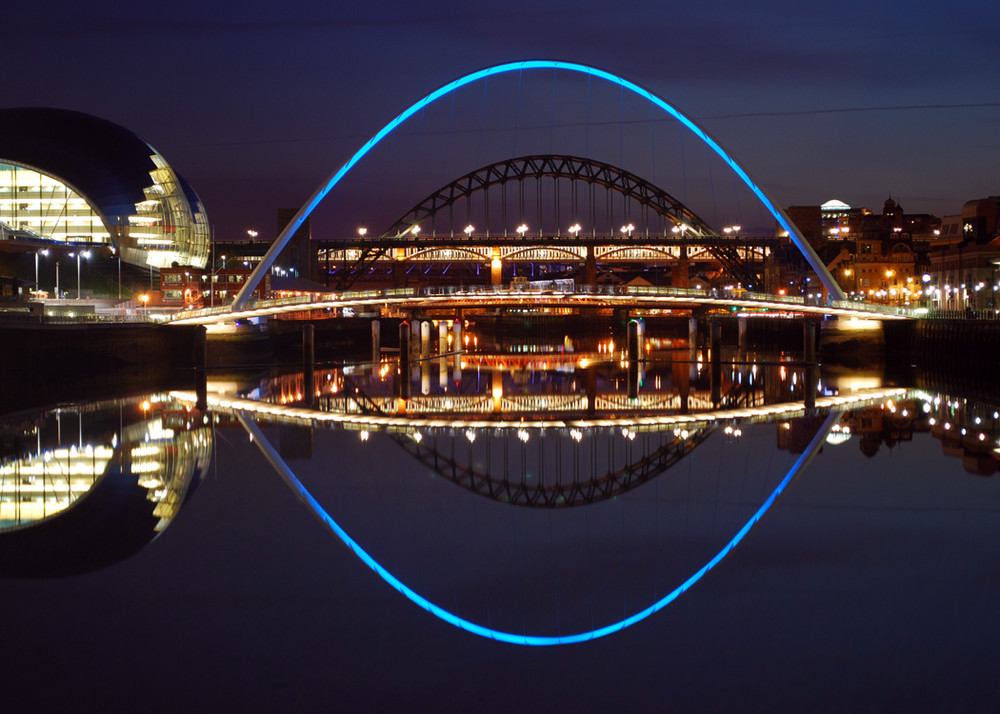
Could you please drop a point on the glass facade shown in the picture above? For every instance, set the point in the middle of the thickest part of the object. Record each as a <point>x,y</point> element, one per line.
<point>41,206</point>
<point>165,228</point>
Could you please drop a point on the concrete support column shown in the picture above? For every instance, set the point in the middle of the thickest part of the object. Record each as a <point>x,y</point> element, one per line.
<point>309,363</point>
<point>680,276</point>
<point>716,363</point>
<point>809,341</point>
<point>425,338</point>
<point>403,372</point>
<point>590,267</point>
<point>811,385</point>
<point>590,378</point>
<point>693,338</point>
<point>496,268</point>
<point>376,345</point>
<point>201,371</point>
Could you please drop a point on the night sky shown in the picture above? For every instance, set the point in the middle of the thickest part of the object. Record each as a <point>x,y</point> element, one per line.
<point>256,106</point>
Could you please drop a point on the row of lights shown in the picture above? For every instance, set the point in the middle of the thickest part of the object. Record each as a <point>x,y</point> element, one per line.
<point>574,229</point>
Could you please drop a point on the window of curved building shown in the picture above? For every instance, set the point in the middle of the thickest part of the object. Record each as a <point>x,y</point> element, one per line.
<point>39,206</point>
<point>163,229</point>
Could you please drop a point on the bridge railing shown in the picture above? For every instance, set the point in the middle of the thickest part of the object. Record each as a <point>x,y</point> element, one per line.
<point>724,296</point>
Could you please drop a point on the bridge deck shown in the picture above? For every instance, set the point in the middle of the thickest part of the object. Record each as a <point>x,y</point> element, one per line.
<point>614,296</point>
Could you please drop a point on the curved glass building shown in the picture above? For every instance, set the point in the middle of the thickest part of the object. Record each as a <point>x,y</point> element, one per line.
<point>75,179</point>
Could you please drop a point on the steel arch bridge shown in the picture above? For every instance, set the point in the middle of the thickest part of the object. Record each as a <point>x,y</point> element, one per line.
<point>688,229</point>
<point>310,205</point>
<point>555,166</point>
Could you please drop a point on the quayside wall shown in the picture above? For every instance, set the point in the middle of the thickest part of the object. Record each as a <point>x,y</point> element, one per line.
<point>42,364</point>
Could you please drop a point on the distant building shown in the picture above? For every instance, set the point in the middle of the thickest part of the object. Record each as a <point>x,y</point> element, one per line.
<point>962,272</point>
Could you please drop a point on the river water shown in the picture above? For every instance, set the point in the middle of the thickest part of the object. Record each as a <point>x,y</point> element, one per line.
<point>530,527</point>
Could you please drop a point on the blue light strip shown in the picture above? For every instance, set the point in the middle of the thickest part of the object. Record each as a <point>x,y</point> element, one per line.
<point>810,255</point>
<point>511,637</point>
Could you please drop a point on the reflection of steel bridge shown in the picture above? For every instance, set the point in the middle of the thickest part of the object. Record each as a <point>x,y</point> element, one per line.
<point>581,296</point>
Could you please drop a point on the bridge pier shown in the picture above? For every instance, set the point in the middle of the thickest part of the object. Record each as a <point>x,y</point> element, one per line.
<point>809,341</point>
<point>200,371</point>
<point>634,356</point>
<point>590,267</point>
<point>425,338</point>
<point>680,274</point>
<point>743,339</point>
<point>811,385</point>
<point>376,345</point>
<point>309,364</point>
<point>425,377</point>
<point>496,268</point>
<point>716,362</point>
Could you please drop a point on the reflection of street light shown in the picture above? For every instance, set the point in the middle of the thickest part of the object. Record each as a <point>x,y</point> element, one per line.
<point>43,251</point>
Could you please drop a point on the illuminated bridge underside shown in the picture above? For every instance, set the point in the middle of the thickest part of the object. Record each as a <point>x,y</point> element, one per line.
<point>401,423</point>
<point>605,403</point>
<point>640,297</point>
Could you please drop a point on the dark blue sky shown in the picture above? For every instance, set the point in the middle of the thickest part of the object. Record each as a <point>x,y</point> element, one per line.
<point>256,106</point>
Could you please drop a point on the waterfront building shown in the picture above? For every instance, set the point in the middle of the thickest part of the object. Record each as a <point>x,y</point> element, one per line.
<point>962,263</point>
<point>74,181</point>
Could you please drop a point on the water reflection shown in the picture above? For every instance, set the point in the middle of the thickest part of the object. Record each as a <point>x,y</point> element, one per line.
<point>85,485</point>
<point>543,434</point>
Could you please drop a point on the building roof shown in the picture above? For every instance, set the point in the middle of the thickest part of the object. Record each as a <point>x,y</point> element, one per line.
<point>104,162</point>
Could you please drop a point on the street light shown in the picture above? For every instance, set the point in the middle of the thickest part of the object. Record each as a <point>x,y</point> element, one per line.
<point>43,251</point>
<point>575,229</point>
<point>362,231</point>
<point>521,230</point>
<point>252,233</point>
<point>80,254</point>
<point>468,230</point>
<point>627,229</point>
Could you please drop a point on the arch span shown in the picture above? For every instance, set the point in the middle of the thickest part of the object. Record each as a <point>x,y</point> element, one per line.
<point>556,166</point>
<point>310,205</point>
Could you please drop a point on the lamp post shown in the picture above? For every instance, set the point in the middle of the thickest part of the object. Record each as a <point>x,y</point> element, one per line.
<point>43,251</point>
<point>79,254</point>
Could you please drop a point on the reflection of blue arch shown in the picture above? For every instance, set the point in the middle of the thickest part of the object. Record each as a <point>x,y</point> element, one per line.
<point>810,255</point>
<point>511,637</point>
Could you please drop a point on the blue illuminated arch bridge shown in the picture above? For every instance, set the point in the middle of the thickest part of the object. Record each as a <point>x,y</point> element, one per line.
<point>304,212</point>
